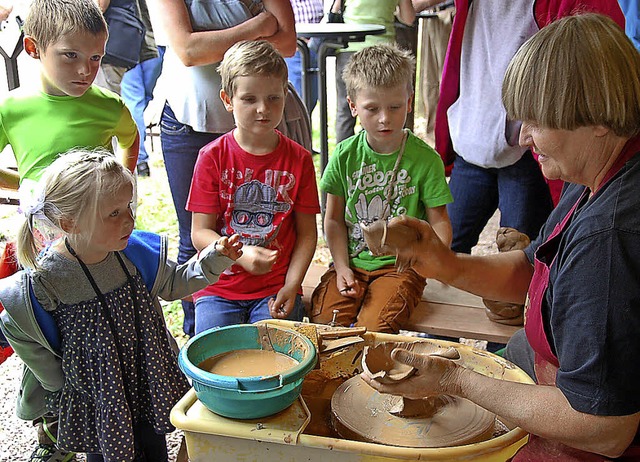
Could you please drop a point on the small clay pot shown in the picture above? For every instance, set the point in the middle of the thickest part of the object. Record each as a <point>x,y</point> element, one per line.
<point>379,364</point>
<point>383,238</point>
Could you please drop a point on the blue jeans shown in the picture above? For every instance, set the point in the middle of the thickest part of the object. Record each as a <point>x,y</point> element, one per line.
<point>137,90</point>
<point>519,191</point>
<point>214,311</point>
<point>180,147</point>
<point>294,64</point>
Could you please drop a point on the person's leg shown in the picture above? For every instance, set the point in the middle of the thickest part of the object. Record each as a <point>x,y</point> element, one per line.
<point>110,77</point>
<point>180,147</point>
<point>390,299</point>
<point>435,38</point>
<point>294,66</point>
<point>149,445</point>
<point>133,95</point>
<point>525,201</point>
<point>345,122</point>
<point>259,309</point>
<point>95,458</point>
<point>213,311</point>
<point>475,199</point>
<point>520,353</point>
<point>326,297</point>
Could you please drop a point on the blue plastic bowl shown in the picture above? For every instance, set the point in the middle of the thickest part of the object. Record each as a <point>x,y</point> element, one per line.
<point>247,397</point>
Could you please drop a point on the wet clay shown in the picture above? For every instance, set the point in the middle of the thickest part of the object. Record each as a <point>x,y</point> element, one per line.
<point>248,363</point>
<point>383,238</point>
<point>358,412</point>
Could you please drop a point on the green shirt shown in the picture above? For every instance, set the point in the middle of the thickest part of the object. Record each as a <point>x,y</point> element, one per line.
<point>40,127</point>
<point>380,12</point>
<point>362,176</point>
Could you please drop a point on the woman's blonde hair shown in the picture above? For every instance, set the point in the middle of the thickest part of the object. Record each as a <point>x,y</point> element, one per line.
<point>379,66</point>
<point>578,71</point>
<point>249,58</point>
<point>67,198</point>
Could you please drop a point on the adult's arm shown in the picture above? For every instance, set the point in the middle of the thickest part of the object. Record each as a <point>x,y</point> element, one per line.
<point>541,410</point>
<point>421,5</point>
<point>406,14</point>
<point>504,276</point>
<point>103,4</point>
<point>197,48</point>
<point>284,39</point>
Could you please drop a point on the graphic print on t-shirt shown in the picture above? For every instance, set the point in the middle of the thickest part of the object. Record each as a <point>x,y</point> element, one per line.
<point>379,197</point>
<point>252,217</point>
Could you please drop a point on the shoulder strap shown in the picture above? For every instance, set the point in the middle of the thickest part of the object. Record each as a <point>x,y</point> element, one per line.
<point>146,250</point>
<point>19,301</point>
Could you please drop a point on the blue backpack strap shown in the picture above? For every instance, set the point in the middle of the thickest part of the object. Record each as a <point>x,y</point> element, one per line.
<point>144,250</point>
<point>45,320</point>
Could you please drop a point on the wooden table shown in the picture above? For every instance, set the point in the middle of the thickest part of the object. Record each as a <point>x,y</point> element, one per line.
<point>444,310</point>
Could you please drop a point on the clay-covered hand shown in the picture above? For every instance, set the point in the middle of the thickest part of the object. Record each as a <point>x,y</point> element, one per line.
<point>434,375</point>
<point>257,260</point>
<point>230,246</point>
<point>282,305</point>
<point>347,283</point>
<point>426,254</point>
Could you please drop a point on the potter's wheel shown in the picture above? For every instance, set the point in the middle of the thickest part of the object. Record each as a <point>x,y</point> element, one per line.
<point>360,413</point>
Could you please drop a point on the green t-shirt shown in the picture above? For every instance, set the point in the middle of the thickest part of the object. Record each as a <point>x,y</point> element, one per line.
<point>40,127</point>
<point>362,176</point>
<point>380,12</point>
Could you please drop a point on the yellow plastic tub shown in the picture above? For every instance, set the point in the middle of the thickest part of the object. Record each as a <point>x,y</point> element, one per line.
<point>292,435</point>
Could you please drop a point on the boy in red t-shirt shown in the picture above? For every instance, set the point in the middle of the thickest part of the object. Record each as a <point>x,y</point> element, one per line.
<point>255,182</point>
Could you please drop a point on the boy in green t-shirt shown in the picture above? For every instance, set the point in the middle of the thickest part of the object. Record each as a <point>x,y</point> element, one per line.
<point>67,111</point>
<point>381,172</point>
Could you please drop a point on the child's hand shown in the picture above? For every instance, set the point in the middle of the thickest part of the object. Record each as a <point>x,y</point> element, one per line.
<point>257,260</point>
<point>230,246</point>
<point>282,306</point>
<point>347,284</point>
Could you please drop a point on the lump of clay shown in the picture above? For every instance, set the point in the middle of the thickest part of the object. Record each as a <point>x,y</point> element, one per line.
<point>379,364</point>
<point>508,239</point>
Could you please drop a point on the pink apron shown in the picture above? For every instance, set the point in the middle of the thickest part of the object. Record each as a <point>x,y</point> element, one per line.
<point>546,363</point>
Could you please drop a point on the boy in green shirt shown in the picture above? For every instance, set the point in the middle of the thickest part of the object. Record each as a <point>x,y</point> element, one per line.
<point>67,111</point>
<point>381,172</point>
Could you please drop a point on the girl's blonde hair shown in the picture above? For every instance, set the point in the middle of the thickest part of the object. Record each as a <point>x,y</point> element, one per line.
<point>67,199</point>
<point>578,71</point>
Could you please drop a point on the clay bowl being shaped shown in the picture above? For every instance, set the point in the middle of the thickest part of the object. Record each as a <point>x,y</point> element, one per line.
<point>379,364</point>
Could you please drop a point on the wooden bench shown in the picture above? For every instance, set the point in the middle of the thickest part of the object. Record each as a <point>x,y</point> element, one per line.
<point>444,310</point>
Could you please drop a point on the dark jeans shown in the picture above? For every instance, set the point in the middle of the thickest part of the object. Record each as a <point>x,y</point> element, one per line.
<point>150,447</point>
<point>180,147</point>
<point>520,353</point>
<point>519,191</point>
<point>345,122</point>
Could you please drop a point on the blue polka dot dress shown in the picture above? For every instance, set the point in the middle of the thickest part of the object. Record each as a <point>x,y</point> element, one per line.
<point>115,377</point>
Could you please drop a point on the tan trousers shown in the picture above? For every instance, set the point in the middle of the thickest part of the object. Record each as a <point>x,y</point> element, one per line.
<point>388,300</point>
<point>435,39</point>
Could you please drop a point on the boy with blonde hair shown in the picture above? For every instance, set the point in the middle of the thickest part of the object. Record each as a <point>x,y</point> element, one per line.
<point>68,38</point>
<point>381,172</point>
<point>255,182</point>
<point>66,111</point>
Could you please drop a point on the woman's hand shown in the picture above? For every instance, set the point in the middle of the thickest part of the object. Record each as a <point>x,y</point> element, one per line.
<point>434,375</point>
<point>257,260</point>
<point>282,305</point>
<point>230,246</point>
<point>427,255</point>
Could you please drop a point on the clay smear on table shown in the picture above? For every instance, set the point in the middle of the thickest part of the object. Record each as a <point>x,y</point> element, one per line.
<point>248,363</point>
